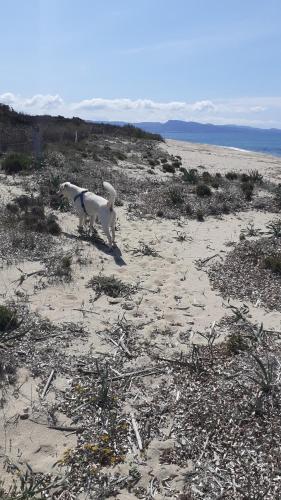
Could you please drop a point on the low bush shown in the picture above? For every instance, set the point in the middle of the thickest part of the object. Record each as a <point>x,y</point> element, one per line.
<point>167,167</point>
<point>176,195</point>
<point>15,163</point>
<point>203,190</point>
<point>247,188</point>
<point>273,262</point>
<point>231,176</point>
<point>31,213</point>
<point>191,176</point>
<point>8,319</point>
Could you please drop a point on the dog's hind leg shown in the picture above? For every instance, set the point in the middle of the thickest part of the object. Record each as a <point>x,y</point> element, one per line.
<point>112,226</point>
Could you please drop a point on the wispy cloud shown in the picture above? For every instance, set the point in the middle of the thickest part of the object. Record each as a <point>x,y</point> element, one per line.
<point>259,111</point>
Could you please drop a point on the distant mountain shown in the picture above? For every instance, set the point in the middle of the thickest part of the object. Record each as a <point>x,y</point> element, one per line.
<point>180,127</point>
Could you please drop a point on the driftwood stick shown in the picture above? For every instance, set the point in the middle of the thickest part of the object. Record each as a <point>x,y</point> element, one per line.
<point>142,373</point>
<point>201,262</point>
<point>65,428</point>
<point>48,383</point>
<point>136,431</point>
<point>125,349</point>
<point>86,311</point>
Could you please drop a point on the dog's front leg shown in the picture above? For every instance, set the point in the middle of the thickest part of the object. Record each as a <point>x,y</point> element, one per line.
<point>81,222</point>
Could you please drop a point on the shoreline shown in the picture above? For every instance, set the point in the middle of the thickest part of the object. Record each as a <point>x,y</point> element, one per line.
<point>233,148</point>
<point>223,159</point>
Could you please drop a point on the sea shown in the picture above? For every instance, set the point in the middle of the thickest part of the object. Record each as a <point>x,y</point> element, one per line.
<point>261,141</point>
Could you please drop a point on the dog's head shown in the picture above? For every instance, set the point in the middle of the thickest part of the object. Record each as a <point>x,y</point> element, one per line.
<point>64,189</point>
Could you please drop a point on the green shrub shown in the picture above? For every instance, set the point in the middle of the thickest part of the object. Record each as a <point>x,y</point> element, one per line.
<point>231,176</point>
<point>274,228</point>
<point>236,343</point>
<point>247,188</point>
<point>176,195</point>
<point>215,183</point>
<point>176,163</point>
<point>191,176</point>
<point>200,215</point>
<point>273,262</point>
<point>255,176</point>
<point>167,167</point>
<point>15,163</point>
<point>203,190</point>
<point>244,178</point>
<point>207,177</point>
<point>8,319</point>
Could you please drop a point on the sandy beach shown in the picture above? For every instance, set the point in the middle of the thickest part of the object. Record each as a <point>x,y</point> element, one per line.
<point>173,304</point>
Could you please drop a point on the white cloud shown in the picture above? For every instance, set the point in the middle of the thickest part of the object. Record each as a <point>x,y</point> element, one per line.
<point>36,104</point>
<point>259,111</point>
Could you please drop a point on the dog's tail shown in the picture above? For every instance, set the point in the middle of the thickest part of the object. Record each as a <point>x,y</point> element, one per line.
<point>112,194</point>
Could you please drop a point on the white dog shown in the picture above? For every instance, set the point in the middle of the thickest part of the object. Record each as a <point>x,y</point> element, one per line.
<point>93,206</point>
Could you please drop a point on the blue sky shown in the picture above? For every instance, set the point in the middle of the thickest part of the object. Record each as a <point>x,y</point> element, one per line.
<point>206,60</point>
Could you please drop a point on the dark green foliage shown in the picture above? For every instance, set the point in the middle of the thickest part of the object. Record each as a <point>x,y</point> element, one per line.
<point>273,262</point>
<point>236,343</point>
<point>231,176</point>
<point>120,155</point>
<point>200,215</point>
<point>15,163</point>
<point>207,177</point>
<point>203,190</point>
<point>247,188</point>
<point>176,195</point>
<point>255,176</point>
<point>167,167</point>
<point>191,176</point>
<point>176,163</point>
<point>8,319</point>
<point>245,178</point>
<point>274,228</point>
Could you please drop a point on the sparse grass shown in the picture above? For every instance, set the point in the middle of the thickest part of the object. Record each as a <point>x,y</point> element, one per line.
<point>251,271</point>
<point>274,228</point>
<point>59,267</point>
<point>255,176</point>
<point>30,212</point>
<point>251,230</point>
<point>235,343</point>
<point>110,286</point>
<point>30,485</point>
<point>146,250</point>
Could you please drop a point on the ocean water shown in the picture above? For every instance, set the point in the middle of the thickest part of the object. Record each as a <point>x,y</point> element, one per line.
<point>262,141</point>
